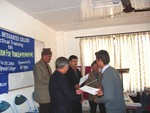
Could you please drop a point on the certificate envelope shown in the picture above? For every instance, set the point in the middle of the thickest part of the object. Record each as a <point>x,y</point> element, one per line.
<point>83,79</point>
<point>89,89</point>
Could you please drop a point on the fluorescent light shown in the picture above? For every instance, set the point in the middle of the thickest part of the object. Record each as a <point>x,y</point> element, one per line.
<point>105,3</point>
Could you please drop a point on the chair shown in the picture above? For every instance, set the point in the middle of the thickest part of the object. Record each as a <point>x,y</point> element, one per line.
<point>5,107</point>
<point>145,101</point>
<point>22,105</point>
<point>34,104</point>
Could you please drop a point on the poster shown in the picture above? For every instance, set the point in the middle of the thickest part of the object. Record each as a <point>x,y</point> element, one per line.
<point>16,52</point>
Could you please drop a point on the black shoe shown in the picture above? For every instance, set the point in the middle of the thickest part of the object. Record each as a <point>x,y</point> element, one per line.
<point>129,9</point>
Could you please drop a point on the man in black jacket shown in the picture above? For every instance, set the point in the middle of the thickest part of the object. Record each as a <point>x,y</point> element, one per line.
<point>73,75</point>
<point>62,96</point>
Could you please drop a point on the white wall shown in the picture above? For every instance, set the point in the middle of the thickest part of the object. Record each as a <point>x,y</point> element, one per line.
<point>13,19</point>
<point>67,44</point>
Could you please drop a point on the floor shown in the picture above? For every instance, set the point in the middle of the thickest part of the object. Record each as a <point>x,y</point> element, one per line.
<point>85,111</point>
<point>98,112</point>
<point>88,112</point>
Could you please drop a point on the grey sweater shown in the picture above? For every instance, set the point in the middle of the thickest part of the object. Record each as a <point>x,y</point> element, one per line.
<point>113,92</point>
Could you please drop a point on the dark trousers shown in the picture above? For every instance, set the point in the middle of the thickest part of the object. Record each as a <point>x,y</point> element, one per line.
<point>44,108</point>
<point>93,107</point>
<point>77,107</point>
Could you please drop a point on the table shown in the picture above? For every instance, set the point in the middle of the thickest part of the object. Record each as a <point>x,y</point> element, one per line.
<point>130,105</point>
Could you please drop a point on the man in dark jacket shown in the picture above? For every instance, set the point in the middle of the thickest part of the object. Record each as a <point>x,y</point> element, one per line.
<point>62,96</point>
<point>73,75</point>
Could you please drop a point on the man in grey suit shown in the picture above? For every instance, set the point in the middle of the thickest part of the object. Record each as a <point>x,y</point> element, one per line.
<point>42,73</point>
<point>111,93</point>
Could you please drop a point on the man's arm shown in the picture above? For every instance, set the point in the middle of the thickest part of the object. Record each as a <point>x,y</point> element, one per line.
<point>39,74</point>
<point>68,92</point>
<point>108,90</point>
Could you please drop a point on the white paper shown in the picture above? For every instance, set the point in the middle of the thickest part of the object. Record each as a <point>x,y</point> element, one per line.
<point>89,89</point>
<point>133,104</point>
<point>83,79</point>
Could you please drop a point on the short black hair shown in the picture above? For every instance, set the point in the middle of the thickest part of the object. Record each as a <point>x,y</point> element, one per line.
<point>103,55</point>
<point>72,57</point>
<point>94,62</point>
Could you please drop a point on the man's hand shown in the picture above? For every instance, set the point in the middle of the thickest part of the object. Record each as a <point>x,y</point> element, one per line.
<point>99,93</point>
<point>79,92</point>
<point>77,86</point>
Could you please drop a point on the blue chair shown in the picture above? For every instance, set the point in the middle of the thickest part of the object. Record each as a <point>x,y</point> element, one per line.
<point>5,107</point>
<point>22,105</point>
<point>145,101</point>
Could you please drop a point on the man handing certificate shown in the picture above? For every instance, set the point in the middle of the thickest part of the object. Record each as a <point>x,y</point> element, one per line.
<point>90,90</point>
<point>87,88</point>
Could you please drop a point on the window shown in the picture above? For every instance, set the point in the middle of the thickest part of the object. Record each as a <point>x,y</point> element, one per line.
<point>126,51</point>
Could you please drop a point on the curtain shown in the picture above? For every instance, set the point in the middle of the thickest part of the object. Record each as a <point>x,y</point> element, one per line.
<point>126,51</point>
<point>88,47</point>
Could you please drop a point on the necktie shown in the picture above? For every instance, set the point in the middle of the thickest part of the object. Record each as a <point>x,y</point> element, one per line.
<point>100,79</point>
<point>48,69</point>
<point>101,75</point>
<point>76,74</point>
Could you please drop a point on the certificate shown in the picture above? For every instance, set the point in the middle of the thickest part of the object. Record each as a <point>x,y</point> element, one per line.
<point>89,89</point>
<point>83,79</point>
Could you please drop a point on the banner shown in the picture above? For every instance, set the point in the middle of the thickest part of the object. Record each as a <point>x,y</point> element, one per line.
<point>3,83</point>
<point>16,52</point>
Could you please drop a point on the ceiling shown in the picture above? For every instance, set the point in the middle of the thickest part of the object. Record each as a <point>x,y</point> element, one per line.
<point>66,15</point>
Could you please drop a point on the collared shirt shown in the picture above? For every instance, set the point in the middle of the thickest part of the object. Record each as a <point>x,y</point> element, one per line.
<point>74,68</point>
<point>104,68</point>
